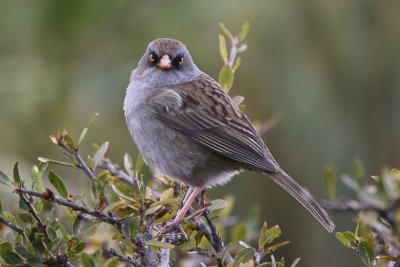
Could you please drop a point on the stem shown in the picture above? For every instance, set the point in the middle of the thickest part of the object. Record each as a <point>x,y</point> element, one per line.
<point>12,226</point>
<point>232,55</point>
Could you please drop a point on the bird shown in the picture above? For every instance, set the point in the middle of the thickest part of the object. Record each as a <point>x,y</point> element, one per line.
<point>187,128</point>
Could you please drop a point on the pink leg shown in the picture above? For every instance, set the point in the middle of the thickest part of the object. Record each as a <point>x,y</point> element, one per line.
<point>181,214</point>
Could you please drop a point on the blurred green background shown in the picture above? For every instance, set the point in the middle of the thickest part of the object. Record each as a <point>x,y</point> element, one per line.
<point>331,68</point>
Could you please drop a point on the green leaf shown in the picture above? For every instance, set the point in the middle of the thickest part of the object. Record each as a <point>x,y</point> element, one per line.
<point>8,254</point>
<point>352,238</point>
<point>130,227</point>
<point>8,217</point>
<point>236,65</point>
<point>217,204</point>
<point>80,247</point>
<point>139,164</point>
<point>4,179</point>
<point>275,247</point>
<point>159,244</point>
<point>113,206</point>
<point>241,48</point>
<point>225,30</point>
<point>75,226</point>
<point>366,253</point>
<point>85,130</point>
<point>340,236</point>
<point>244,30</point>
<point>295,262</point>
<point>113,263</point>
<point>358,169</point>
<point>100,154</point>
<point>142,187</point>
<point>165,202</point>
<point>238,100</point>
<point>199,236</point>
<point>330,178</point>
<point>58,183</point>
<point>17,178</point>
<point>239,232</point>
<point>226,78</point>
<point>167,194</point>
<point>97,189</point>
<point>56,162</point>
<point>26,217</point>
<point>268,235</point>
<point>124,191</point>
<point>244,255</point>
<point>222,48</point>
<point>69,141</point>
<point>1,208</point>
<point>128,163</point>
<point>87,260</point>
<point>187,245</point>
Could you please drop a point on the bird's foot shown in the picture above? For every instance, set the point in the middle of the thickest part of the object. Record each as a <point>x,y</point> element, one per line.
<point>172,226</point>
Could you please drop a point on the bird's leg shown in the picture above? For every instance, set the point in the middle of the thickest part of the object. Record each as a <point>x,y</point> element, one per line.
<point>189,198</point>
<point>202,198</point>
<point>175,225</point>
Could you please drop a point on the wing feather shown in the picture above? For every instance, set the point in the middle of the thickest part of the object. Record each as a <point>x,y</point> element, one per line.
<point>208,115</point>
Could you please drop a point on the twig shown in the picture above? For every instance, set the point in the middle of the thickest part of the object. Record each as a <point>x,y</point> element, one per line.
<point>232,55</point>
<point>346,205</point>
<point>113,253</point>
<point>32,211</point>
<point>81,164</point>
<point>147,256</point>
<point>216,240</point>
<point>49,195</point>
<point>12,226</point>
<point>202,251</point>
<point>115,170</point>
<point>164,258</point>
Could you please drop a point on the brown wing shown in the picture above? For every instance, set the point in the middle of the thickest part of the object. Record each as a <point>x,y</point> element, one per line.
<point>208,115</point>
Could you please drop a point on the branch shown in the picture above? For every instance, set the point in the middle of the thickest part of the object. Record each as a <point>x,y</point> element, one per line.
<point>81,164</point>
<point>12,226</point>
<point>50,196</point>
<point>115,170</point>
<point>346,205</point>
<point>232,55</point>
<point>41,225</point>
<point>216,240</point>
<point>113,253</point>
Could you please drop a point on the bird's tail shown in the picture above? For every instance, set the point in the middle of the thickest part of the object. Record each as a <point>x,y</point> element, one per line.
<point>304,197</point>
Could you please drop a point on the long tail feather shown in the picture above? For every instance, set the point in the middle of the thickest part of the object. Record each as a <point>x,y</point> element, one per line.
<point>304,197</point>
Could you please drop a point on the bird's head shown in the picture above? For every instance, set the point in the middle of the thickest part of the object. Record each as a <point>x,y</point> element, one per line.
<point>167,62</point>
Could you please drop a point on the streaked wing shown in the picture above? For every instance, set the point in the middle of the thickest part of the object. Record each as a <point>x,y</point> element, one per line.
<point>209,116</point>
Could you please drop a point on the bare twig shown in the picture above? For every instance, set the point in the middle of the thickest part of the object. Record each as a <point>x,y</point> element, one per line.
<point>232,55</point>
<point>216,242</point>
<point>115,170</point>
<point>346,205</point>
<point>113,253</point>
<point>49,195</point>
<point>12,226</point>
<point>31,209</point>
<point>81,164</point>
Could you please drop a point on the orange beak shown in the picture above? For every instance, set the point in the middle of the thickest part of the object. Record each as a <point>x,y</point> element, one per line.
<point>165,63</point>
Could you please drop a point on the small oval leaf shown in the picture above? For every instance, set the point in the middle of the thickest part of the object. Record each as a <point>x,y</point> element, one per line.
<point>244,255</point>
<point>226,78</point>
<point>58,183</point>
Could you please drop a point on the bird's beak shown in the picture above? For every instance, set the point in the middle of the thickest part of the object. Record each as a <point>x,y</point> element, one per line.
<point>165,63</point>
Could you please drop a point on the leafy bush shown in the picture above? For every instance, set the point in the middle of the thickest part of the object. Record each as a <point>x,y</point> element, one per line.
<point>55,228</point>
<point>376,236</point>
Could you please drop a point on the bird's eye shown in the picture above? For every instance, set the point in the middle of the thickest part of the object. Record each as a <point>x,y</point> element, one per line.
<point>152,58</point>
<point>180,60</point>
